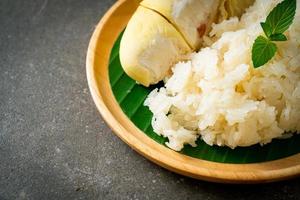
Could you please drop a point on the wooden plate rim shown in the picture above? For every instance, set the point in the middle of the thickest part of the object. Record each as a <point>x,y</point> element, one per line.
<point>101,43</point>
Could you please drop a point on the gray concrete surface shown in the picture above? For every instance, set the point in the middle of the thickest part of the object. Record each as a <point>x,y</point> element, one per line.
<point>53,142</point>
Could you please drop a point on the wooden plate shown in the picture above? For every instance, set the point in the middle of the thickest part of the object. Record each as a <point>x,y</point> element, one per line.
<point>97,63</point>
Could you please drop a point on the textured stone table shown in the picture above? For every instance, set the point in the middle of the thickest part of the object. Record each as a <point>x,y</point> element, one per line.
<point>53,142</point>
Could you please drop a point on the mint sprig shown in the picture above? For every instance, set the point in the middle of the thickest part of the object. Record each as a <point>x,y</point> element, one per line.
<point>278,21</point>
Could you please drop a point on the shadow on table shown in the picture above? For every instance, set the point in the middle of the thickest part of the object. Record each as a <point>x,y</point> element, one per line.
<point>288,189</point>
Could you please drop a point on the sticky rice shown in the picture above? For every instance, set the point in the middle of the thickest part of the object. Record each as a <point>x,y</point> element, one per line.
<point>220,97</point>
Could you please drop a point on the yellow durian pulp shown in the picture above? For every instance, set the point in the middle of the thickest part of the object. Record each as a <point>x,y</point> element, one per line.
<point>192,18</point>
<point>162,32</point>
<point>231,8</point>
<point>149,46</point>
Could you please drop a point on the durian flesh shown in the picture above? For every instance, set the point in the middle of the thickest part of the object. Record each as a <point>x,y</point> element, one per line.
<point>231,8</point>
<point>161,32</point>
<point>192,18</point>
<point>149,46</point>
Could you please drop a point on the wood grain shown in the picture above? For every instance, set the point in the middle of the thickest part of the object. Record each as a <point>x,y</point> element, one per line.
<point>97,60</point>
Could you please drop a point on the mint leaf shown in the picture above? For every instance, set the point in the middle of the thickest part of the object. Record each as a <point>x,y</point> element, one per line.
<point>278,21</point>
<point>278,37</point>
<point>281,17</point>
<point>267,28</point>
<point>262,51</point>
